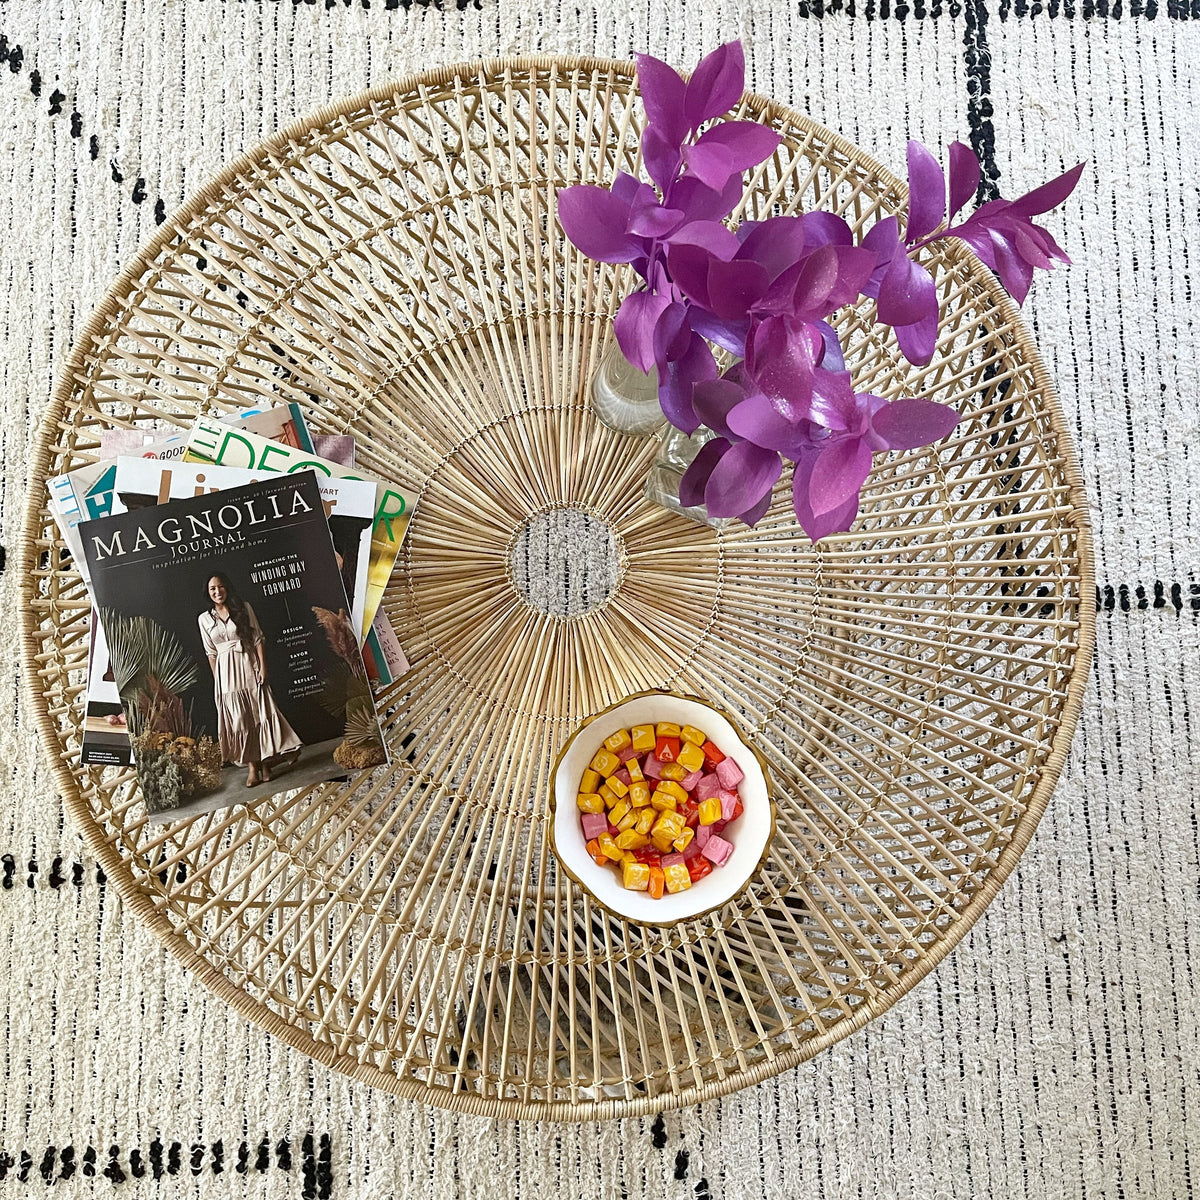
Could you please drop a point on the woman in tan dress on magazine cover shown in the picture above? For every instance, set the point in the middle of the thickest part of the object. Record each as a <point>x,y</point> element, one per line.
<point>250,726</point>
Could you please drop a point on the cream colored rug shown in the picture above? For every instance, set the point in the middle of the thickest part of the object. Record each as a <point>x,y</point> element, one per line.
<point>1056,1052</point>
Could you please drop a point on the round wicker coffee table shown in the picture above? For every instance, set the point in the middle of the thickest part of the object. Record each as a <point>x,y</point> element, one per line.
<point>394,264</point>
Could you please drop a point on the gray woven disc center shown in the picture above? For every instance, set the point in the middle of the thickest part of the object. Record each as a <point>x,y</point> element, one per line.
<point>565,562</point>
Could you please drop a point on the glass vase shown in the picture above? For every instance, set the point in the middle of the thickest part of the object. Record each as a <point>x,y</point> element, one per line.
<point>662,484</point>
<point>624,398</point>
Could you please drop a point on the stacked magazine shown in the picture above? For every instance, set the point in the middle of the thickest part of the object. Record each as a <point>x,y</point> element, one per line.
<point>236,572</point>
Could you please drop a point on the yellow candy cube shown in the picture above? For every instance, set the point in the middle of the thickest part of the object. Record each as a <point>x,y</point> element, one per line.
<point>609,848</point>
<point>635,771</point>
<point>676,878</point>
<point>615,786</point>
<point>590,802</point>
<point>628,820</point>
<point>605,762</point>
<point>590,781</point>
<point>623,806</point>
<point>684,840</point>
<point>607,795</point>
<point>672,789</point>
<point>643,737</point>
<point>618,741</point>
<point>645,818</point>
<point>710,810</point>
<point>690,733</point>
<point>630,839</point>
<point>674,771</point>
<point>668,825</point>
<point>639,794</point>
<point>690,757</point>
<point>662,800</point>
<point>667,729</point>
<point>636,876</point>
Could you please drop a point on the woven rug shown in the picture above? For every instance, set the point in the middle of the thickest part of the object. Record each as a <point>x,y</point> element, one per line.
<point>1055,1053</point>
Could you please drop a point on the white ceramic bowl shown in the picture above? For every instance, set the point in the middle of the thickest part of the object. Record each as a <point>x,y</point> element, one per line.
<point>750,834</point>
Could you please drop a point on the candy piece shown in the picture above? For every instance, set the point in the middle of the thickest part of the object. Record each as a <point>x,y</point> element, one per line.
<point>690,757</point>
<point>677,878</point>
<point>619,810</point>
<point>718,850</point>
<point>598,855</point>
<point>633,769</point>
<point>718,827</point>
<point>630,839</point>
<point>661,799</point>
<point>666,729</point>
<point>590,802</point>
<point>643,737</point>
<point>712,755</point>
<point>639,794</point>
<point>612,828</point>
<point>737,811</point>
<point>729,773</point>
<point>671,788</point>
<point>703,833</point>
<point>674,772</point>
<point>623,776</point>
<point>605,762</point>
<point>618,741</point>
<point>652,768</point>
<point>691,852</point>
<point>728,801</point>
<point>689,781</point>
<point>607,795</point>
<point>666,749</point>
<point>645,818</point>
<point>648,854</point>
<point>627,754</point>
<point>593,825</point>
<point>669,860</point>
<point>666,829</point>
<point>590,781</point>
<point>690,733</point>
<point>709,785</point>
<point>684,840</point>
<point>657,884</point>
<point>691,814</point>
<point>635,876</point>
<point>710,811</point>
<point>698,867</point>
<point>628,820</point>
<point>610,848</point>
<point>615,786</point>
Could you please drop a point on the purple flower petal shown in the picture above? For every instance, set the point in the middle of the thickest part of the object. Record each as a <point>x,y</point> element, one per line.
<point>675,383</point>
<point>775,244</point>
<point>918,341</point>
<point>630,190</point>
<point>712,400</point>
<point>700,202</point>
<point>1015,273</point>
<point>711,236</point>
<point>838,474</point>
<point>757,420</point>
<point>908,423</point>
<point>738,482</point>
<point>752,516</point>
<point>594,220</point>
<point>781,358</point>
<point>907,294</point>
<point>661,156</point>
<point>695,478</point>
<point>883,240</point>
<point>926,193</point>
<point>836,520</point>
<point>832,360</point>
<point>733,287</point>
<point>964,176</point>
<point>654,221</point>
<point>747,142</point>
<point>688,266</point>
<point>816,280</point>
<point>826,229</point>
<point>672,336</point>
<point>855,267</point>
<point>716,85</point>
<point>712,165</point>
<point>663,91</point>
<point>634,326</point>
<point>834,405</point>
<point>1049,195</point>
<point>1029,247</point>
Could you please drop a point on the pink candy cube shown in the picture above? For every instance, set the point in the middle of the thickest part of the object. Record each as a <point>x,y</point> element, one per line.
<point>703,833</point>
<point>689,781</point>
<point>593,825</point>
<point>717,850</point>
<point>728,801</point>
<point>690,851</point>
<point>669,860</point>
<point>623,776</point>
<point>625,754</point>
<point>652,768</point>
<point>729,773</point>
<point>709,785</point>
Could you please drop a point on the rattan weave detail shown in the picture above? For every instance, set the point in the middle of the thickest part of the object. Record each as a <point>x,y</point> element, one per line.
<point>394,264</point>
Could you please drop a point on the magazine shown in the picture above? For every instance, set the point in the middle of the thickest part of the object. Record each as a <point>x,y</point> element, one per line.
<point>231,644</point>
<point>212,442</point>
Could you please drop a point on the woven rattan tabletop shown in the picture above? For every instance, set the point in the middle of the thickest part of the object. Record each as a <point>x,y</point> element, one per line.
<point>394,265</point>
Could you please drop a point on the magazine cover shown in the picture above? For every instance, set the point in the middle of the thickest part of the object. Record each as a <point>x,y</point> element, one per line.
<point>212,442</point>
<point>231,645</point>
